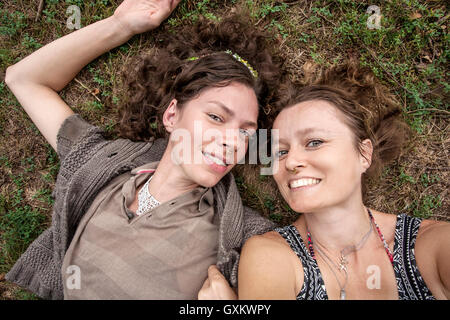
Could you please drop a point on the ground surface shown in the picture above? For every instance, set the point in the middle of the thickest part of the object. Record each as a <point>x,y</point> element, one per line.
<point>409,53</point>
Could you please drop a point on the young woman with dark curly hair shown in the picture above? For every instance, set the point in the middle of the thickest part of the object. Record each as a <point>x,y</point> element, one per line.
<point>130,222</point>
<point>334,134</point>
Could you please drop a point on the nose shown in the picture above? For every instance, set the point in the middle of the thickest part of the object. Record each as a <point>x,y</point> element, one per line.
<point>231,148</point>
<point>233,144</point>
<point>295,160</point>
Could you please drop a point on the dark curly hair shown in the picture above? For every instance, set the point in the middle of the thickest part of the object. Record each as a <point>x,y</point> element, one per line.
<point>369,109</point>
<point>154,79</point>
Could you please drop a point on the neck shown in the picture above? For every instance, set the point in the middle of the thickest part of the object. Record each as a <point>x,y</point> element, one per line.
<point>338,227</point>
<point>169,180</point>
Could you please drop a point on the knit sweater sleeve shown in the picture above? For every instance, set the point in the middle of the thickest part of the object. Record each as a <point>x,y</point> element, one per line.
<point>38,268</point>
<point>255,223</point>
<point>73,130</point>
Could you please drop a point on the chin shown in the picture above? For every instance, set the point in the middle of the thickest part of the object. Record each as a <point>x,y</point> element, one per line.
<point>207,180</point>
<point>303,207</point>
<point>208,183</point>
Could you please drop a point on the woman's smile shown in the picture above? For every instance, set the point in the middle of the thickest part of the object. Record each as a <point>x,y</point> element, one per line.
<point>302,183</point>
<point>217,164</point>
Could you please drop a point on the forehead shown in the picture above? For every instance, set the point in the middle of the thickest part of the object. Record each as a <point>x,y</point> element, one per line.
<point>238,98</point>
<point>317,114</point>
<point>233,91</point>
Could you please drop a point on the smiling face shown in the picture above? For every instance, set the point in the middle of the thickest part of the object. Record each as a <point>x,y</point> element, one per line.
<point>315,141</point>
<point>215,128</point>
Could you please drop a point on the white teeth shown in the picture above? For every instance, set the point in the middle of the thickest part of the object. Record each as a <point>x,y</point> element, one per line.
<point>214,159</point>
<point>303,182</point>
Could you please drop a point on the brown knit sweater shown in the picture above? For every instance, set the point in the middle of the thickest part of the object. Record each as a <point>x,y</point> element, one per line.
<point>88,162</point>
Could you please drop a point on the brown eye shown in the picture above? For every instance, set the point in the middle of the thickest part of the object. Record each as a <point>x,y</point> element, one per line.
<point>245,133</point>
<point>214,117</point>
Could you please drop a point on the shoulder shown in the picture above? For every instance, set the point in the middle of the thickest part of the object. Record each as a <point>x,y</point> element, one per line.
<point>428,227</point>
<point>265,268</point>
<point>76,135</point>
<point>429,230</point>
<point>73,130</point>
<point>433,257</point>
<point>269,250</point>
<point>433,234</point>
<point>267,242</point>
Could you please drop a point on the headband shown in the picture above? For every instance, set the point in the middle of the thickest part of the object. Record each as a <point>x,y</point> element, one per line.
<point>235,56</point>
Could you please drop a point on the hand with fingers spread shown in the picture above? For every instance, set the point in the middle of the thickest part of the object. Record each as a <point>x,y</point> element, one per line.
<point>138,16</point>
<point>216,287</point>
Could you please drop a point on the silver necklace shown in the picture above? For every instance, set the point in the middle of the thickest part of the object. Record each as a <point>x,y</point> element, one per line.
<point>146,201</point>
<point>342,287</point>
<point>343,260</point>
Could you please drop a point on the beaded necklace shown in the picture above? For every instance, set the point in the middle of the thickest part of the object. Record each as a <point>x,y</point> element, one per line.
<point>386,247</point>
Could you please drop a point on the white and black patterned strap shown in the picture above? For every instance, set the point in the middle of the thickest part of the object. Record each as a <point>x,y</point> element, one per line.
<point>313,286</point>
<point>410,283</point>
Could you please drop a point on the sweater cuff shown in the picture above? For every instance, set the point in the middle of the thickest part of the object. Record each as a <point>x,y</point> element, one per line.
<point>27,278</point>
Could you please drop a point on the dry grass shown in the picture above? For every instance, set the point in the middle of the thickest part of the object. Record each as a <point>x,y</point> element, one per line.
<point>312,35</point>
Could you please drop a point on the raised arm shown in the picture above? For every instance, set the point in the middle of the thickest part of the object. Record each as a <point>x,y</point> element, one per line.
<point>37,79</point>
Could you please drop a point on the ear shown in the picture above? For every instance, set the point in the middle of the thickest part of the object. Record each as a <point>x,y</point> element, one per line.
<point>366,148</point>
<point>170,116</point>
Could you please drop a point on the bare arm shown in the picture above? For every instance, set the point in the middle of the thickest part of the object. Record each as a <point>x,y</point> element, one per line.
<point>265,272</point>
<point>37,79</point>
<point>443,257</point>
<point>433,256</point>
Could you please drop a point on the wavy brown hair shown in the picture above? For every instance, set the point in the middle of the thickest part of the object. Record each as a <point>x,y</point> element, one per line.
<point>369,109</point>
<point>152,80</point>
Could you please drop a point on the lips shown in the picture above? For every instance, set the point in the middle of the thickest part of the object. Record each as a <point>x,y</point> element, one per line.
<point>215,164</point>
<point>303,182</point>
<point>217,160</point>
<point>220,156</point>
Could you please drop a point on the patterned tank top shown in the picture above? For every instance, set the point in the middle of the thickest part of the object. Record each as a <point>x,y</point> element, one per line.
<point>410,284</point>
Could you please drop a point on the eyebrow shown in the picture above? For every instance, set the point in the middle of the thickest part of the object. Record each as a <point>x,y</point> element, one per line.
<point>304,132</point>
<point>231,113</point>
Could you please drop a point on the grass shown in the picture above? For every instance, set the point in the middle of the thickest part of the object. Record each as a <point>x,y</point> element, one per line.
<point>409,53</point>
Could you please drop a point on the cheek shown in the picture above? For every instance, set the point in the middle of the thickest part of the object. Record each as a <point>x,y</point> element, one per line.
<point>278,174</point>
<point>342,166</point>
<point>281,180</point>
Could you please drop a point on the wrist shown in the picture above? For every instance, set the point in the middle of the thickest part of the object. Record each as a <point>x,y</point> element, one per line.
<point>119,28</point>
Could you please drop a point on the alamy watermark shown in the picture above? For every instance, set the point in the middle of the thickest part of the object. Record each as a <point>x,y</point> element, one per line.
<point>228,148</point>
<point>74,20</point>
<point>373,22</point>
<point>74,280</point>
<point>374,280</point>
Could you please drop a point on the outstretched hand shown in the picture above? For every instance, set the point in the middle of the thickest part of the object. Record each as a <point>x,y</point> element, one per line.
<point>216,287</point>
<point>138,16</point>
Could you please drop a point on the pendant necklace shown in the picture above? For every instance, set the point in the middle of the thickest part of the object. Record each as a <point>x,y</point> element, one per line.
<point>344,252</point>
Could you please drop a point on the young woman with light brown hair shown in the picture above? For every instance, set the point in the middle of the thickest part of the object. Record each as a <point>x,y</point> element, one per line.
<point>334,134</point>
<point>128,221</point>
